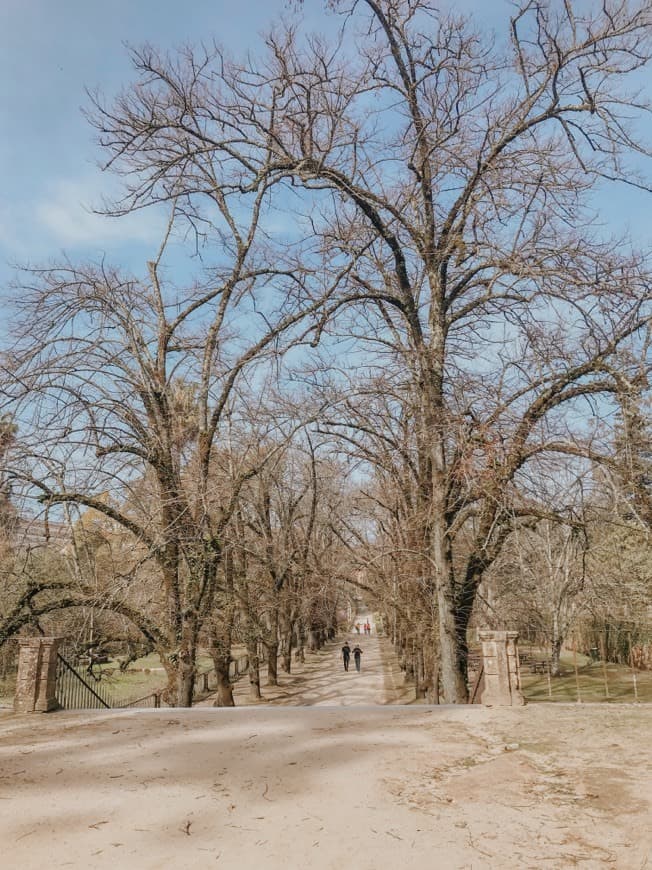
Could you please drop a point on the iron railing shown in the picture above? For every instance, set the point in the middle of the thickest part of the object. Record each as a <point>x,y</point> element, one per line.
<point>151,700</point>
<point>77,689</point>
<point>73,692</point>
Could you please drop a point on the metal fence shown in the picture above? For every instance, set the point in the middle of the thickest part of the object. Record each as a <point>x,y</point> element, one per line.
<point>74,692</point>
<point>78,689</point>
<point>151,700</point>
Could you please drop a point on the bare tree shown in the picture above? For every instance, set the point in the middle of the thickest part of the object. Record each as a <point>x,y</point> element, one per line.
<point>544,582</point>
<point>288,592</point>
<point>127,387</point>
<point>630,470</point>
<point>444,182</point>
<point>386,530</point>
<point>459,173</point>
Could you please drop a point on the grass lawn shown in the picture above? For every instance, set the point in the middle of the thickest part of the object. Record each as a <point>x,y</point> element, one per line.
<point>143,677</point>
<point>7,689</point>
<point>591,680</point>
<point>128,685</point>
<point>204,662</point>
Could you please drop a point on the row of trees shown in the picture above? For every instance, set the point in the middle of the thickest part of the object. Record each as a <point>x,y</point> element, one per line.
<point>579,576</point>
<point>276,586</point>
<point>406,231</point>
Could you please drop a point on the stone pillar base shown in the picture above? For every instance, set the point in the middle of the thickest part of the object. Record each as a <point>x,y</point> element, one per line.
<point>37,675</point>
<point>501,671</point>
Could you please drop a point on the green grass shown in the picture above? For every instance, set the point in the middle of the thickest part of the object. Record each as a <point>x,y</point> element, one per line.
<point>591,680</point>
<point>143,677</point>
<point>151,661</point>
<point>128,685</point>
<point>7,689</point>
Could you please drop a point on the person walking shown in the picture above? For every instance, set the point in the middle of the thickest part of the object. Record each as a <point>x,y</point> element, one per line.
<point>346,655</point>
<point>357,653</point>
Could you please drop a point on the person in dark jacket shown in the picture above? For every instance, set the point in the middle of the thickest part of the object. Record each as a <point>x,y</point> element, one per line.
<point>346,654</point>
<point>357,653</point>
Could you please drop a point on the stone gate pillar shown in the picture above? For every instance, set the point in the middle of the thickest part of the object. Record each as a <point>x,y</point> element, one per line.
<point>502,676</point>
<point>37,675</point>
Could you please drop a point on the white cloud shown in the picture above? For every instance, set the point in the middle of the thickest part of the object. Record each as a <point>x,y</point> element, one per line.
<point>62,217</point>
<point>65,214</point>
<point>8,236</point>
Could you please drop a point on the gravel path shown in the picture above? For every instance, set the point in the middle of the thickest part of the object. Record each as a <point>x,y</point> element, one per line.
<point>322,680</point>
<point>334,783</point>
<point>367,788</point>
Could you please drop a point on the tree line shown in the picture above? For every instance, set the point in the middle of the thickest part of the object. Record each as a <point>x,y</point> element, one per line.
<point>402,355</point>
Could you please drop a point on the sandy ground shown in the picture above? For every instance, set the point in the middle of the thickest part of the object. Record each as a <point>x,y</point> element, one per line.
<point>329,786</point>
<point>322,681</point>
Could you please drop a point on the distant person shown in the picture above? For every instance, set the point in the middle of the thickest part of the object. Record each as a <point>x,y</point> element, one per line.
<point>346,655</point>
<point>357,627</point>
<point>368,628</point>
<point>357,654</point>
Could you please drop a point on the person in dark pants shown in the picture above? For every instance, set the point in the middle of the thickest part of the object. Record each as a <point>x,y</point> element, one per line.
<point>346,654</point>
<point>357,652</point>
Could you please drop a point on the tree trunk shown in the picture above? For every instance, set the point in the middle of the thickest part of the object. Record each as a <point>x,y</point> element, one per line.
<point>429,676</point>
<point>402,646</point>
<point>224,687</point>
<point>221,637</point>
<point>300,654</point>
<point>271,647</point>
<point>286,644</point>
<point>220,651</point>
<point>432,695</point>
<point>409,665</point>
<point>254,671</point>
<point>185,676</point>
<point>286,651</point>
<point>331,632</point>
<point>420,683</point>
<point>555,650</point>
<point>452,661</point>
<point>451,654</point>
<point>272,663</point>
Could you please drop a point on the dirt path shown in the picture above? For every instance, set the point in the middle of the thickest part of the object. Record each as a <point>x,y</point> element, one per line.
<point>335,784</point>
<point>272,788</point>
<point>322,680</point>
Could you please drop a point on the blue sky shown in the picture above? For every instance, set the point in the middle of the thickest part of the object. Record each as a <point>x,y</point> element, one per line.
<point>50,51</point>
